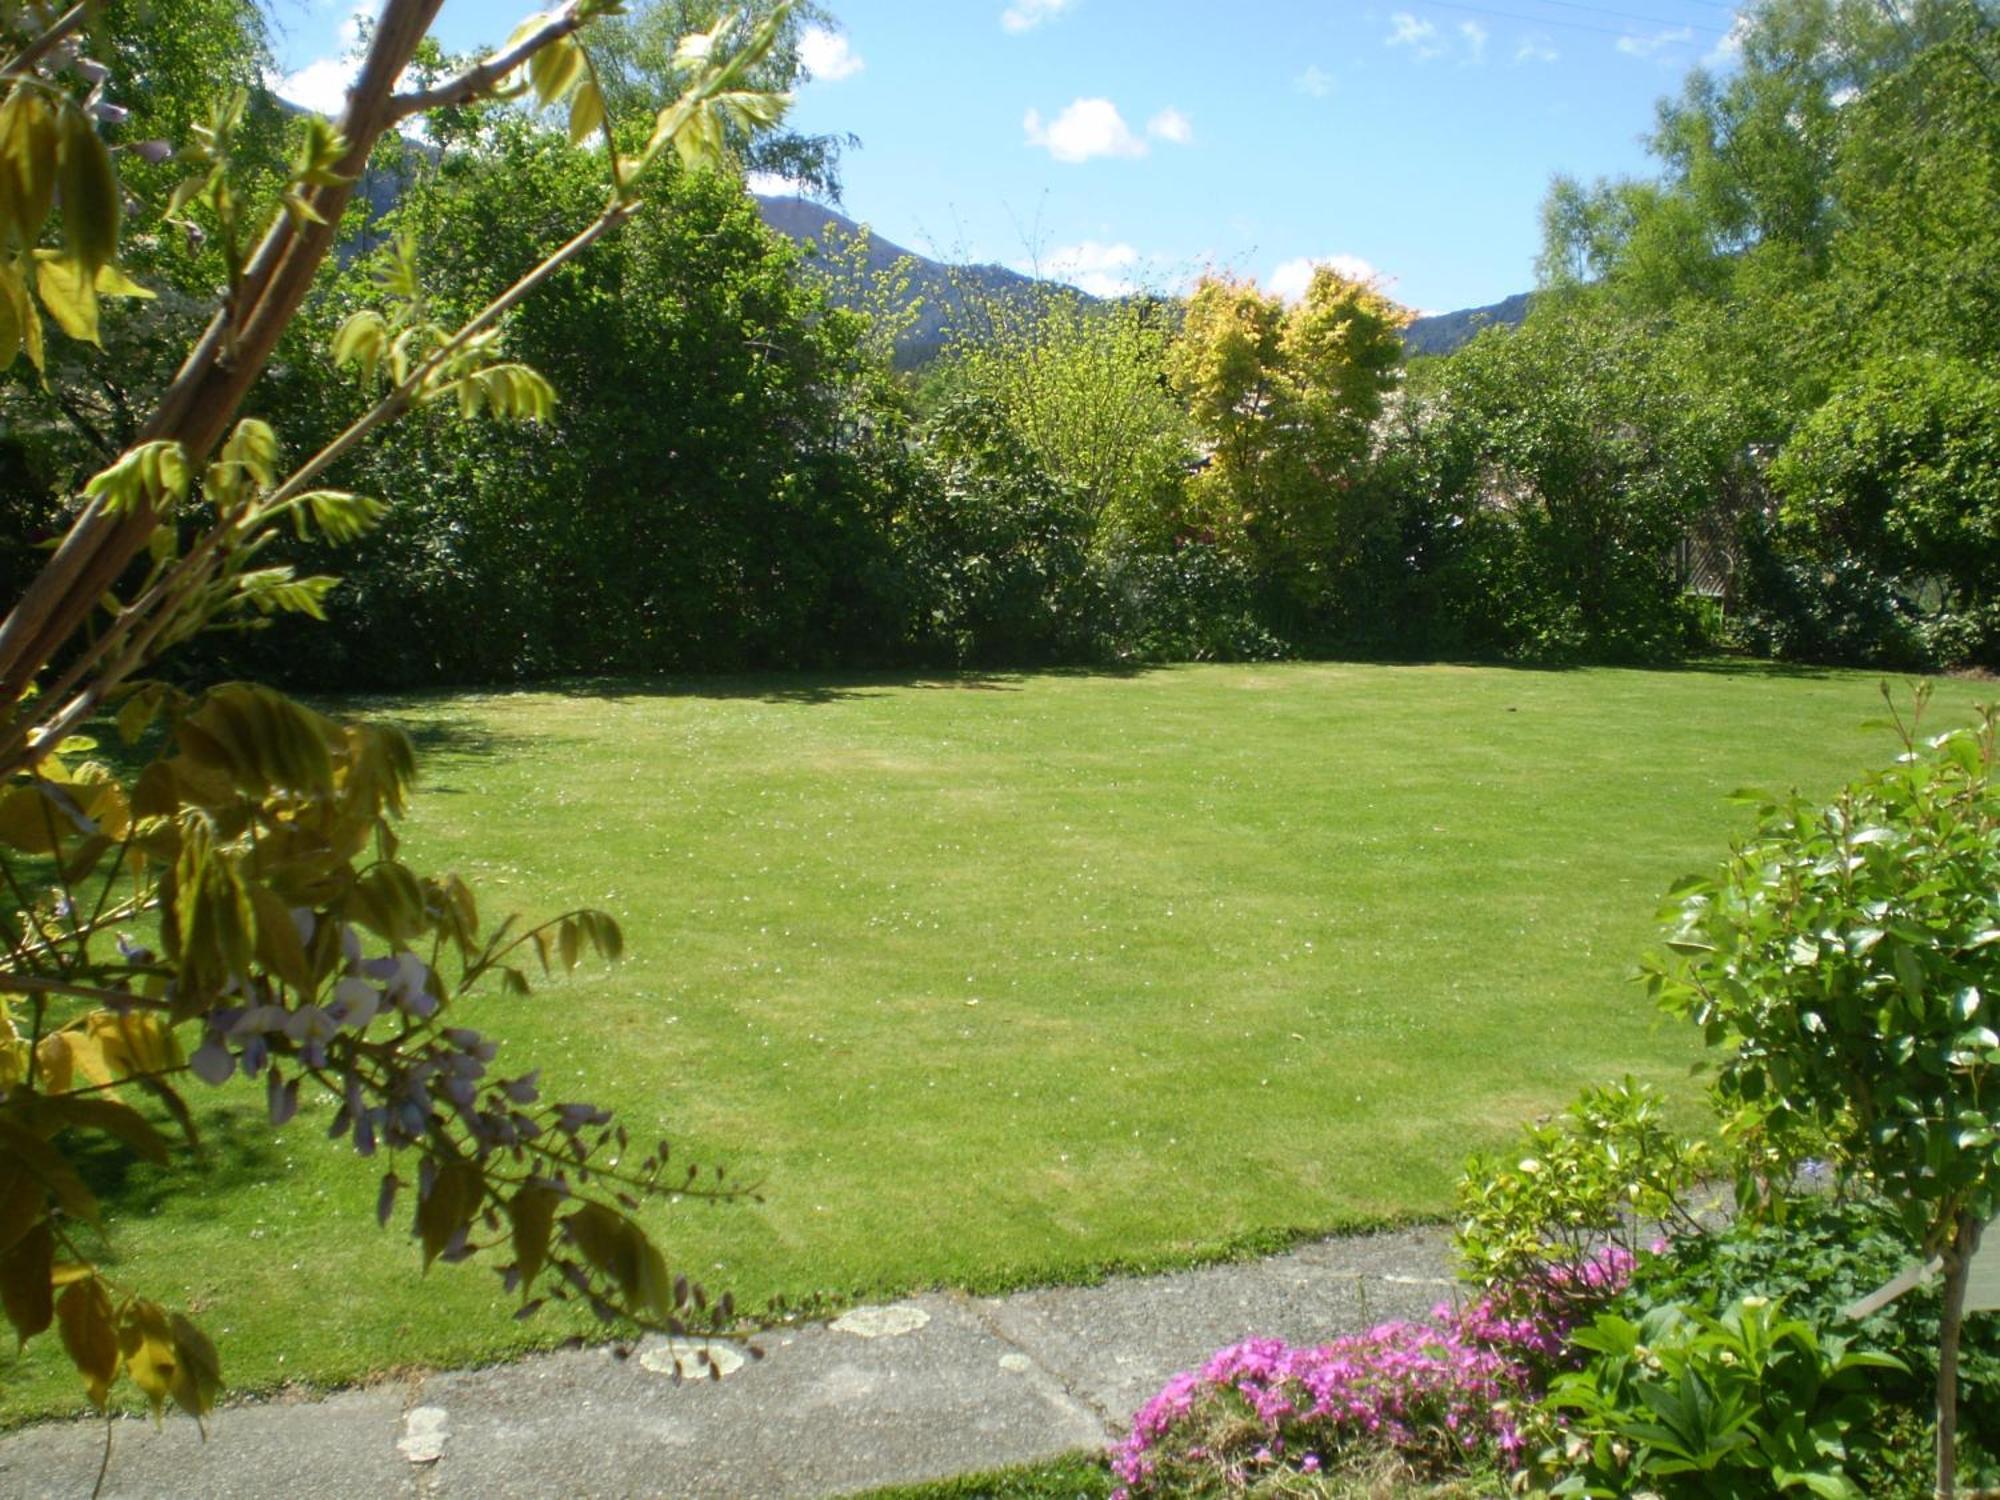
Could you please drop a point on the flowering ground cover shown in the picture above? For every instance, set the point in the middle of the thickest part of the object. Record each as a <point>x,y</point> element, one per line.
<point>993,981</point>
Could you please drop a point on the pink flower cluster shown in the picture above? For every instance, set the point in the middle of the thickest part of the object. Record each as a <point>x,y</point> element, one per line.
<point>1437,1393</point>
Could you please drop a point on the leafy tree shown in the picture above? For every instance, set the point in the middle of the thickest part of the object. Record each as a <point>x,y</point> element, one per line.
<point>1845,959</point>
<point>755,527</point>
<point>998,545</point>
<point>1082,387</point>
<point>237,907</point>
<point>1572,463</point>
<point>1285,399</point>
<point>1902,471</point>
<point>635,56</point>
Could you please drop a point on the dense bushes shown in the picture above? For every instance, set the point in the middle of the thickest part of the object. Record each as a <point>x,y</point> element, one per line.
<point>1764,372</point>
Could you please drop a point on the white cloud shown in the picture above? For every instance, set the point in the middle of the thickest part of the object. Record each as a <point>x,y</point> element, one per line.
<point>1646,46</point>
<point>1405,30</point>
<point>1535,49</point>
<point>1315,81</point>
<point>774,185</point>
<point>827,55</point>
<point>1291,279</point>
<point>1172,126</point>
<point>322,84</point>
<point>1730,48</point>
<point>1086,128</point>
<point>1475,39</point>
<point>1099,269</point>
<point>1026,15</point>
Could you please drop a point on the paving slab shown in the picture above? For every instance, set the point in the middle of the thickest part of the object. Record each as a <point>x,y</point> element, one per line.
<point>914,1390</point>
<point>1114,1345</point>
<point>344,1444</point>
<point>826,1411</point>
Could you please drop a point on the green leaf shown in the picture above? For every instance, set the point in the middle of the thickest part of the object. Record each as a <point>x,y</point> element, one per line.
<point>533,1211</point>
<point>68,289</point>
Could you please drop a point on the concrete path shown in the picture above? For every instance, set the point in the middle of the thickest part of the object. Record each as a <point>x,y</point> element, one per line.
<point>915,1390</point>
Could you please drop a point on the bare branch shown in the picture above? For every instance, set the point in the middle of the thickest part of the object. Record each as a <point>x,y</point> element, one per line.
<point>66,25</point>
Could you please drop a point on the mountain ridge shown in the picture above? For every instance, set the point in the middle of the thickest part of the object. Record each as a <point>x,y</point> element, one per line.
<point>942,287</point>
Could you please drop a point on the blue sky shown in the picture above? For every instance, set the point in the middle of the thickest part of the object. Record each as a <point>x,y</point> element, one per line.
<point>1129,142</point>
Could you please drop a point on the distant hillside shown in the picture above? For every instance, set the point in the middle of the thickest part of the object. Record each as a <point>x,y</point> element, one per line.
<point>1441,333</point>
<point>942,288</point>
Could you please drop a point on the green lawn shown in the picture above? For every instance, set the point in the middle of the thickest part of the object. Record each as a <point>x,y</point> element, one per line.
<point>997,981</point>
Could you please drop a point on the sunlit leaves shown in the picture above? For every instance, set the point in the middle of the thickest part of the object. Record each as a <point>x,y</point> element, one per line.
<point>248,462</point>
<point>337,515</point>
<point>91,202</point>
<point>153,474</point>
<point>50,154</point>
<point>361,342</point>
<point>30,154</point>
<point>505,390</point>
<point>280,591</point>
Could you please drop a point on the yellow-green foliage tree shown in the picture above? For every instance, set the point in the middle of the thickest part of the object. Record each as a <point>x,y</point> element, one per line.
<point>1285,397</point>
<point>235,908</point>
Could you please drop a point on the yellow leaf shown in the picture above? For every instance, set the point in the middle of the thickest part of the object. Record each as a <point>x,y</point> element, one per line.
<point>89,1336</point>
<point>55,1063</point>
<point>112,282</point>
<point>91,199</point>
<point>586,112</point>
<point>69,291</point>
<point>135,1043</point>
<point>146,1341</point>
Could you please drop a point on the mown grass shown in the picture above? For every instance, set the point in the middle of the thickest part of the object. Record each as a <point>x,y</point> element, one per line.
<point>993,981</point>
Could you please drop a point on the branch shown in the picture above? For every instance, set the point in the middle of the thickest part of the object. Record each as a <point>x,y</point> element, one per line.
<point>475,81</point>
<point>66,25</point>
<point>31,984</point>
<point>203,400</point>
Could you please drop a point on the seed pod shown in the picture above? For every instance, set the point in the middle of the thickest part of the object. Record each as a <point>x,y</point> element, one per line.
<point>90,195</point>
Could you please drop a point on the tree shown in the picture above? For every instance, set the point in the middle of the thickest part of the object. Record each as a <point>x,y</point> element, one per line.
<point>1571,460</point>
<point>237,907</point>
<point>1082,387</point>
<point>636,53</point>
<point>1901,469</point>
<point>756,525</point>
<point>1285,399</point>
<point>1845,958</point>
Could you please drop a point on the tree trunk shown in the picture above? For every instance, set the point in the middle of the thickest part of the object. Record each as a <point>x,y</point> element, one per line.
<point>1958,1268</point>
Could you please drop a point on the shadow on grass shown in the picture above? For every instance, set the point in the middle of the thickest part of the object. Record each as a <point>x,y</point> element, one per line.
<point>1713,666</point>
<point>812,688</point>
<point>238,1150</point>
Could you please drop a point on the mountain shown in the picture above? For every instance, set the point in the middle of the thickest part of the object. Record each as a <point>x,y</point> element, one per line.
<point>942,288</point>
<point>1441,333</point>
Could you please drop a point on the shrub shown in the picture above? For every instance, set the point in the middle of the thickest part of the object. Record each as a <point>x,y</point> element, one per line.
<point>1608,1170</point>
<point>996,547</point>
<point>1440,1398</point>
<point>1712,1407</point>
<point>1826,1253</point>
<point>1194,603</point>
<point>1846,960</point>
